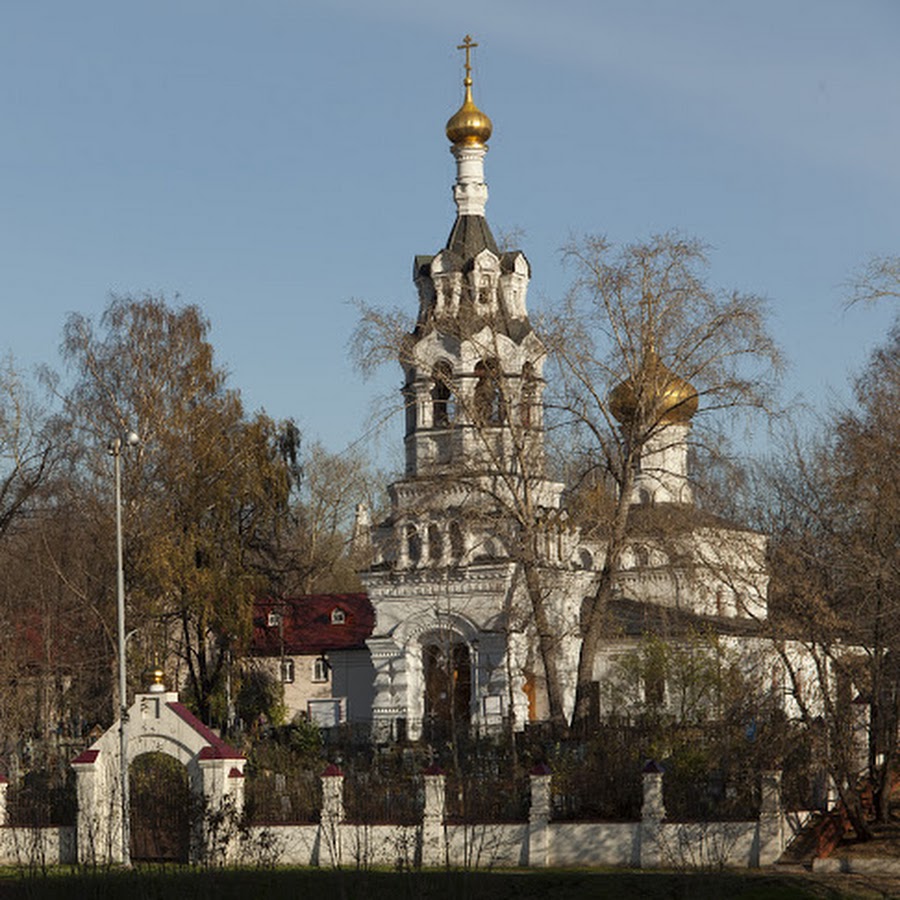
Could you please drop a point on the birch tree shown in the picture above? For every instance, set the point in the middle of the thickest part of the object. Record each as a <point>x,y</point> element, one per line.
<point>644,338</point>
<point>206,487</point>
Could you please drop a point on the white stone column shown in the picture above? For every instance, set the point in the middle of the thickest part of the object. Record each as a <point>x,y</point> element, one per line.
<point>332,815</point>
<point>539,817</point>
<point>653,811</point>
<point>4,784</point>
<point>222,805</point>
<point>97,821</point>
<point>434,843</point>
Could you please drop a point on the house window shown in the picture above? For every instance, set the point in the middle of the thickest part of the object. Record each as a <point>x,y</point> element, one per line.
<point>287,671</point>
<point>338,616</point>
<point>320,669</point>
<point>273,620</point>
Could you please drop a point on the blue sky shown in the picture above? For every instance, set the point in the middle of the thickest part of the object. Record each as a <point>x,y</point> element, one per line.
<point>270,161</point>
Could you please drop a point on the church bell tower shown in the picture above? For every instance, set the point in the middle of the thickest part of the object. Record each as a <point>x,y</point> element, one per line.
<point>444,566</point>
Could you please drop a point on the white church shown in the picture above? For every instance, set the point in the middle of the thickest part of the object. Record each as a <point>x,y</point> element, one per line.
<point>453,641</point>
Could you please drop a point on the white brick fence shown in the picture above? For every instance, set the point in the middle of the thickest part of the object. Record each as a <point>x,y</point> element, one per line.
<point>436,842</point>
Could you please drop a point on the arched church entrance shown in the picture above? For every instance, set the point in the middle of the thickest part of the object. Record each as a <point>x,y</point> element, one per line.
<point>161,805</point>
<point>448,688</point>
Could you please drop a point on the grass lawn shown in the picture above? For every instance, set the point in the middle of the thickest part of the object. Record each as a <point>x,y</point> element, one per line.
<point>145,883</point>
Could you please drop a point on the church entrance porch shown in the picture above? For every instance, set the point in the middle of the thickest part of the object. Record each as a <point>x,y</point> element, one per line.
<point>448,689</point>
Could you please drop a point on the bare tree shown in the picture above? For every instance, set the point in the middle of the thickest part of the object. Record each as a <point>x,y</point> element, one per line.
<point>835,507</point>
<point>644,347</point>
<point>316,552</point>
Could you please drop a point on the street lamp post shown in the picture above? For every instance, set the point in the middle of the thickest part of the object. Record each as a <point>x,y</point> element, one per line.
<point>115,450</point>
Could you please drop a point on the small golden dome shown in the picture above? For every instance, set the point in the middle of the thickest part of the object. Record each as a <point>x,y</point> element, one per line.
<point>469,125</point>
<point>676,400</point>
<point>155,678</point>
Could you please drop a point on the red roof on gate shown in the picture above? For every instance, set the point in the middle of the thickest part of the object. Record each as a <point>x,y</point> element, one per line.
<point>311,624</point>
<point>217,748</point>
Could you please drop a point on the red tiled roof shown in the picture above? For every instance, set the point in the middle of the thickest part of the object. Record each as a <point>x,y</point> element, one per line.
<point>308,626</point>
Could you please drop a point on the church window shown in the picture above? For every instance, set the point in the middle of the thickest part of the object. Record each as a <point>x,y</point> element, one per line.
<point>273,620</point>
<point>642,557</point>
<point>435,543</point>
<point>287,671</point>
<point>338,616</point>
<point>456,541</point>
<point>654,687</point>
<point>441,395</point>
<point>413,544</point>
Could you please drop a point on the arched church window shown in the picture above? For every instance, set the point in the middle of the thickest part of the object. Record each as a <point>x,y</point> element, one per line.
<point>441,395</point>
<point>456,541</point>
<point>654,687</point>
<point>642,557</point>
<point>435,543</point>
<point>338,616</point>
<point>487,394</point>
<point>413,545</point>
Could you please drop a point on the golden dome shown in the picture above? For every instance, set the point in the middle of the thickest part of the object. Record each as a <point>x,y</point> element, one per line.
<point>468,125</point>
<point>676,400</point>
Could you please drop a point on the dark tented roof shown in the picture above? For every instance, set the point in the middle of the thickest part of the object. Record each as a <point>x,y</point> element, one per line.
<point>471,235</point>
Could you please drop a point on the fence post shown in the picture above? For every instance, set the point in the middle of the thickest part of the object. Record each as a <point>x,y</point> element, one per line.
<point>332,813</point>
<point>434,849</point>
<point>539,816</point>
<point>653,811</point>
<point>771,822</point>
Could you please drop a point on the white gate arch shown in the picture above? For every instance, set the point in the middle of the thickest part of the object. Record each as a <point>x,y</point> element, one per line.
<point>156,722</point>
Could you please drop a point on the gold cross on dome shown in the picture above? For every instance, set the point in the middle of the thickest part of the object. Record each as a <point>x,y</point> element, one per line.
<point>467,45</point>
